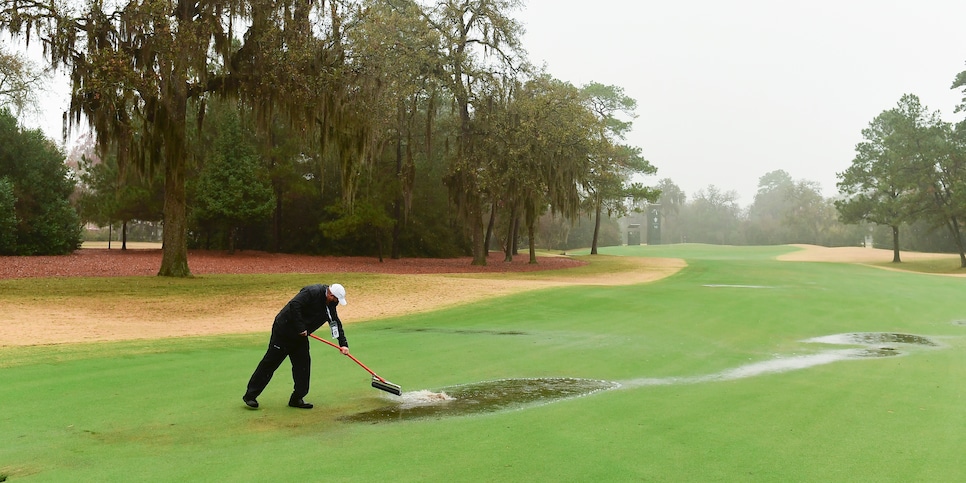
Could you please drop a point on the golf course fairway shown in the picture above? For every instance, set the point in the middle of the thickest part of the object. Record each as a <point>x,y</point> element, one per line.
<point>739,367</point>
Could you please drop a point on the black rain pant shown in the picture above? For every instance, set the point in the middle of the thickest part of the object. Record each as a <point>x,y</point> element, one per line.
<point>297,350</point>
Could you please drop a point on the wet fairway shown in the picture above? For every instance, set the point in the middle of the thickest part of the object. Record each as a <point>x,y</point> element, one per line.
<point>508,394</point>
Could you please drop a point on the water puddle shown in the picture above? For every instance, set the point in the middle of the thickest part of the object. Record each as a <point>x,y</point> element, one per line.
<point>722,285</point>
<point>873,339</point>
<point>437,330</point>
<point>871,345</point>
<point>482,397</point>
<point>509,394</point>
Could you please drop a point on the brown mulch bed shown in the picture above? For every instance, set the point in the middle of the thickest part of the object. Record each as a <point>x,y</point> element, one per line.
<point>146,262</point>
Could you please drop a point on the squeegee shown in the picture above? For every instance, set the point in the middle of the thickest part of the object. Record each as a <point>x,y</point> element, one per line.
<point>377,382</point>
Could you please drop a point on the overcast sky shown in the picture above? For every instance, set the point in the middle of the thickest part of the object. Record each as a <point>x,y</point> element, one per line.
<point>729,90</point>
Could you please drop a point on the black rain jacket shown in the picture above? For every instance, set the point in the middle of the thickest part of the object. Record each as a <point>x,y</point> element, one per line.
<point>307,311</point>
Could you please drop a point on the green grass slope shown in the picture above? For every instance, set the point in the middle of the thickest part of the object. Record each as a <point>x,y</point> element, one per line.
<point>171,409</point>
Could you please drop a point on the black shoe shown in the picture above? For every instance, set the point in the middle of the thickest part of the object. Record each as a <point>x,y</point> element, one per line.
<point>250,402</point>
<point>301,404</point>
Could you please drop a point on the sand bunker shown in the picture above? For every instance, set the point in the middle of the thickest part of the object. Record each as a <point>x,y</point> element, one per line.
<point>814,253</point>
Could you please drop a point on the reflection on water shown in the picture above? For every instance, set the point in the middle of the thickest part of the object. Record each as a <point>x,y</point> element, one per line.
<point>873,338</point>
<point>486,397</point>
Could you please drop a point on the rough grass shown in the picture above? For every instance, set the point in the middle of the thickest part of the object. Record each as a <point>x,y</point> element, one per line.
<point>171,409</point>
<point>941,266</point>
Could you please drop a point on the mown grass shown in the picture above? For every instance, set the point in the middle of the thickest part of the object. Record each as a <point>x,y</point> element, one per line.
<point>171,409</point>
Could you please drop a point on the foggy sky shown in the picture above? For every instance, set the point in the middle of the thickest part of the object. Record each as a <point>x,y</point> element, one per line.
<point>729,90</point>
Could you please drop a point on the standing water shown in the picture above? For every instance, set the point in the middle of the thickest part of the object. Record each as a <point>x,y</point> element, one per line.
<point>482,397</point>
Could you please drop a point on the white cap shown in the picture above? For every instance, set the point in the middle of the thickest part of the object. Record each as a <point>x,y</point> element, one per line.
<point>339,292</point>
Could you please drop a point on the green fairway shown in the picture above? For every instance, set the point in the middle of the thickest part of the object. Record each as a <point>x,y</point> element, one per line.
<point>694,404</point>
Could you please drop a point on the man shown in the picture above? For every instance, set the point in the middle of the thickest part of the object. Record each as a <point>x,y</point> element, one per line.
<point>312,307</point>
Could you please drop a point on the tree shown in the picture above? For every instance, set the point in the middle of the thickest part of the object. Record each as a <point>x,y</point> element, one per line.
<point>130,64</point>
<point>807,219</point>
<point>788,211</point>
<point>538,149</point>
<point>233,190</point>
<point>41,186</point>
<point>878,186</point>
<point>20,81</point>
<point>507,174</point>
<point>399,56</point>
<point>472,32</point>
<point>714,217</point>
<point>773,181</point>
<point>8,218</point>
<point>612,163</point>
<point>108,194</point>
<point>947,189</point>
<point>611,190</point>
<point>939,174</point>
<point>136,65</point>
<point>670,203</point>
<point>366,228</point>
<point>768,213</point>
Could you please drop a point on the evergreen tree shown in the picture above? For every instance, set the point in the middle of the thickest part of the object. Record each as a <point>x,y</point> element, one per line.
<point>8,218</point>
<point>46,224</point>
<point>234,190</point>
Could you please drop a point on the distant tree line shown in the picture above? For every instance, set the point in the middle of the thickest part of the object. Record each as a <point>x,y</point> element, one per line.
<point>784,211</point>
<point>357,127</point>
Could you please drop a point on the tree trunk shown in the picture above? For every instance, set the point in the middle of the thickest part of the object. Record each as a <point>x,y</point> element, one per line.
<point>530,218</point>
<point>593,246</point>
<point>476,225</point>
<point>277,221</point>
<point>124,235</point>
<point>508,248</point>
<point>895,244</point>
<point>379,247</point>
<point>953,225</point>
<point>516,231</point>
<point>533,243</point>
<point>490,225</point>
<point>394,251</point>
<point>174,251</point>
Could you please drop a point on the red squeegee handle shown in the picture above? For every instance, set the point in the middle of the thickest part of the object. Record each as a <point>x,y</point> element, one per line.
<point>350,356</point>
